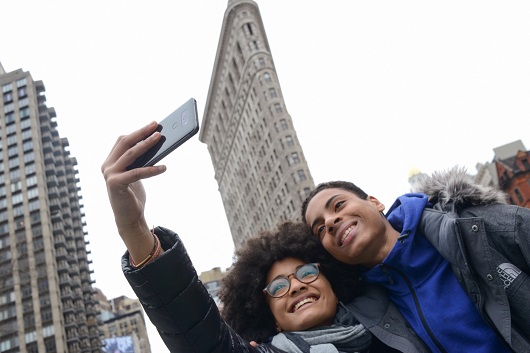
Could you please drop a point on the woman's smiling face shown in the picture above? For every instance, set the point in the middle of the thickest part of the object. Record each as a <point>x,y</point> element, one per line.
<point>305,305</point>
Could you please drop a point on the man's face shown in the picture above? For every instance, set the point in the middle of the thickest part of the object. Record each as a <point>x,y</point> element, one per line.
<point>305,305</point>
<point>351,229</point>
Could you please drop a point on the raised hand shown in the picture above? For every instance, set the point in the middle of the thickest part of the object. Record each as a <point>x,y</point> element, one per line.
<point>125,190</point>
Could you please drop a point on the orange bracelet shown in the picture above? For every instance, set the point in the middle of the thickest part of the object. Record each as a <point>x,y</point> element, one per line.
<point>158,251</point>
<point>157,247</point>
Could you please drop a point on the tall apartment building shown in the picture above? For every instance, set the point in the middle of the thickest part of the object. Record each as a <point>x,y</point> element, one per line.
<point>259,164</point>
<point>47,302</point>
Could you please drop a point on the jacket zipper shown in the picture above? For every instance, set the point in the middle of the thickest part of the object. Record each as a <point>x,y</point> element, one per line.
<point>416,303</point>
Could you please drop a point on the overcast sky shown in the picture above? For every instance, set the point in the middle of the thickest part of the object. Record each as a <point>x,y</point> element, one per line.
<point>375,88</point>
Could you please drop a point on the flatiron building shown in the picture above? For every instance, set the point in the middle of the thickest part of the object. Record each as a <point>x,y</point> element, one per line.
<point>259,164</point>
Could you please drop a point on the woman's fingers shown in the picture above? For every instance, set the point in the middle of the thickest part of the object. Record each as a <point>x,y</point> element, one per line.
<point>137,150</point>
<point>124,143</point>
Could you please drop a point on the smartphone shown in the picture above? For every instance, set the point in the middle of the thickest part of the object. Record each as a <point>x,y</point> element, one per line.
<point>175,129</point>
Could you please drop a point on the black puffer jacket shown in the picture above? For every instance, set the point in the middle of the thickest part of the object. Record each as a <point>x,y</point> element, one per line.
<point>180,307</point>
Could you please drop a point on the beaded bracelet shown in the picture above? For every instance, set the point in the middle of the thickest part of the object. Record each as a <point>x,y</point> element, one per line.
<point>157,248</point>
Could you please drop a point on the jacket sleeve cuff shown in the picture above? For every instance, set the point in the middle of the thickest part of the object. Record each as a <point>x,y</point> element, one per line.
<point>169,285</point>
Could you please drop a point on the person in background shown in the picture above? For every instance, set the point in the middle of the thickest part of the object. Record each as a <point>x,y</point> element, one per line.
<point>453,257</point>
<point>292,290</point>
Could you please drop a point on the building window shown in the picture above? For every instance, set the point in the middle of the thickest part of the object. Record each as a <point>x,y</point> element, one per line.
<point>23,102</point>
<point>32,348</point>
<point>31,181</point>
<point>35,217</point>
<point>295,157</point>
<point>9,343</point>
<point>8,97</point>
<point>44,300</point>
<point>32,336</point>
<point>21,82</point>
<point>16,185</point>
<point>24,113</point>
<point>7,88</point>
<point>48,331</point>
<point>272,93</point>
<point>18,211</point>
<point>17,198</point>
<point>289,140</point>
<point>13,163</point>
<point>46,315</point>
<point>301,175</point>
<point>34,205</point>
<point>12,151</point>
<point>236,69</point>
<point>9,107</point>
<point>26,135</point>
<point>14,174</point>
<point>27,146</point>
<point>232,84</point>
<point>267,77</point>
<point>518,194</point>
<point>248,29</point>
<point>5,255</point>
<point>283,124</point>
<point>29,157</point>
<point>10,118</point>
<point>42,284</point>
<point>12,140</point>
<point>33,193</point>
<point>253,45</point>
<point>7,298</point>
<point>4,243</point>
<point>240,53</point>
<point>22,92</point>
<point>11,129</point>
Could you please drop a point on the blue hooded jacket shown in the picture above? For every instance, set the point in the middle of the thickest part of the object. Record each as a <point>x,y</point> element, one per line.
<point>423,286</point>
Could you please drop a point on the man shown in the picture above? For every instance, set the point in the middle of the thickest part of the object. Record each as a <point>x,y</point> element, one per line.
<point>454,258</point>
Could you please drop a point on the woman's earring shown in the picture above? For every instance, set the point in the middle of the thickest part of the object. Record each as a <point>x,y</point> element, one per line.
<point>278,328</point>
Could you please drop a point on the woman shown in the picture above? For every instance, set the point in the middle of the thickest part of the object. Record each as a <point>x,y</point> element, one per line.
<point>162,276</point>
<point>296,275</point>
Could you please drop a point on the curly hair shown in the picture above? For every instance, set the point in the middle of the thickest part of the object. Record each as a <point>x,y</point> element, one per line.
<point>245,307</point>
<point>344,185</point>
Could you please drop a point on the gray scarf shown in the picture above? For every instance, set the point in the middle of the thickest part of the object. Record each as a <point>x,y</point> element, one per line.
<point>346,335</point>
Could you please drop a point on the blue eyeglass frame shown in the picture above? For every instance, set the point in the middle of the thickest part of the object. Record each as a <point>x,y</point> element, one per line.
<point>316,265</point>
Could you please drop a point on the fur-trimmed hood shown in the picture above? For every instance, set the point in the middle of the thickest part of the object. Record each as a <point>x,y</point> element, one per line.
<point>458,187</point>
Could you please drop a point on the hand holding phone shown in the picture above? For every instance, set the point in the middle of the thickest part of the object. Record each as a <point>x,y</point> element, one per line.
<point>175,129</point>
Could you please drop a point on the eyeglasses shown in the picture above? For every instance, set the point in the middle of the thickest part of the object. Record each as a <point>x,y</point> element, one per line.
<point>281,285</point>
